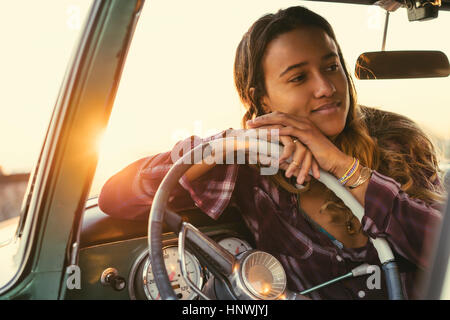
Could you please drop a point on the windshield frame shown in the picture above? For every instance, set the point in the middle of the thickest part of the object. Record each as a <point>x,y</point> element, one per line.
<point>59,185</point>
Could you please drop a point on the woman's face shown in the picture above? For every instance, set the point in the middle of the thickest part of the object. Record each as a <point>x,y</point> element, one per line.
<point>304,77</point>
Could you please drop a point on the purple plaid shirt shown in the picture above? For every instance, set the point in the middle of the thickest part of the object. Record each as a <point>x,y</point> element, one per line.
<point>274,218</point>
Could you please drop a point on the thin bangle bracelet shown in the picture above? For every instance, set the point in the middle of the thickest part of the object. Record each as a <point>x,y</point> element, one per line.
<point>364,175</point>
<point>350,172</point>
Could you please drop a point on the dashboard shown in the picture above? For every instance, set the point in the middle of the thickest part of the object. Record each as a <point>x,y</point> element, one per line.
<point>120,246</point>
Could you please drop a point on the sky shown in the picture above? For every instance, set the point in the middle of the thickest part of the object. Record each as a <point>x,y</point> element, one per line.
<point>178,79</point>
<point>38,38</point>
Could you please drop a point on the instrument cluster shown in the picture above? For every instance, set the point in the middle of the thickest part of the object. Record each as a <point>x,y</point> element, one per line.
<point>142,279</point>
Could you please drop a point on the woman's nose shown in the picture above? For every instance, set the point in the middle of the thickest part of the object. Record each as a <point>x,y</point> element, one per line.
<point>323,87</point>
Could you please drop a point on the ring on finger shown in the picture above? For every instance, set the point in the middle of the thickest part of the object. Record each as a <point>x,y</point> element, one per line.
<point>297,164</point>
<point>295,140</point>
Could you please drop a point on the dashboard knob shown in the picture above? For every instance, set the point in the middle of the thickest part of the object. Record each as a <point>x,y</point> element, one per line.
<point>110,277</point>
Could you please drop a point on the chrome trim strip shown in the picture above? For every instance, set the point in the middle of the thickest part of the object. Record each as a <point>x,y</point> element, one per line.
<point>182,260</point>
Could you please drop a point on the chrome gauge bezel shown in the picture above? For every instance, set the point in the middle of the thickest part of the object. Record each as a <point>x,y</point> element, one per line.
<point>197,264</point>
<point>269,260</point>
<point>135,276</point>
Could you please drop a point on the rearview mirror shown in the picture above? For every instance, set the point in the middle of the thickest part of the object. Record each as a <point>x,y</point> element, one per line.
<point>402,65</point>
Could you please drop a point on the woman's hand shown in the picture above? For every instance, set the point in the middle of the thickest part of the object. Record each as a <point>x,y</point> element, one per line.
<point>302,158</point>
<point>320,148</point>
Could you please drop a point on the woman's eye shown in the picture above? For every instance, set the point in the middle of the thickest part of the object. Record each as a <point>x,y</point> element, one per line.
<point>333,67</point>
<point>298,78</point>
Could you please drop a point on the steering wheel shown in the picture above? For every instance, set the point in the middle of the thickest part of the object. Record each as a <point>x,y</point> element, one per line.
<point>238,274</point>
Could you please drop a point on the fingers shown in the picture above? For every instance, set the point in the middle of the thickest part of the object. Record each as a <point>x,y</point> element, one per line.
<point>307,164</point>
<point>304,169</point>
<point>269,133</point>
<point>297,158</point>
<point>303,160</point>
<point>275,117</point>
<point>286,141</point>
<point>284,166</point>
<point>315,169</point>
<point>289,147</point>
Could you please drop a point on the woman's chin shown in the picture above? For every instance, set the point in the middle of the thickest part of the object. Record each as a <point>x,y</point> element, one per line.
<point>331,131</point>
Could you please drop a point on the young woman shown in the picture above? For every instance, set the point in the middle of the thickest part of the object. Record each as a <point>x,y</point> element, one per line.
<point>290,74</point>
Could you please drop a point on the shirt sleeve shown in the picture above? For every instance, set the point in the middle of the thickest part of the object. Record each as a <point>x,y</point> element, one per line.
<point>129,193</point>
<point>408,224</point>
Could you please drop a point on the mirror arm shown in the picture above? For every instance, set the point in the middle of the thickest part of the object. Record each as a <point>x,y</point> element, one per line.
<point>386,22</point>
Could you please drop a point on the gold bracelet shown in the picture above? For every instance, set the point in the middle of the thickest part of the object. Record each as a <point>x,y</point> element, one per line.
<point>364,175</point>
<point>350,172</point>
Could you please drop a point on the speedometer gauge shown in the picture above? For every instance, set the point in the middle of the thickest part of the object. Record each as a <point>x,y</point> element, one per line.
<point>234,245</point>
<point>179,285</point>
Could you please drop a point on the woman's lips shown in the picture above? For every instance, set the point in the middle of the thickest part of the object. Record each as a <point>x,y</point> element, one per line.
<point>328,108</point>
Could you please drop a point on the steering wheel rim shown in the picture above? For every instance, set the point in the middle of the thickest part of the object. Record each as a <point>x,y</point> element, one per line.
<point>178,169</point>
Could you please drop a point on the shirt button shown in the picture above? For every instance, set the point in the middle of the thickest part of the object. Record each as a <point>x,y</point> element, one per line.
<point>339,258</point>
